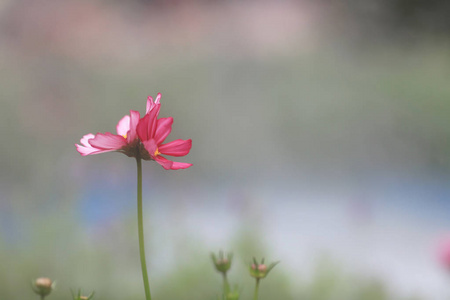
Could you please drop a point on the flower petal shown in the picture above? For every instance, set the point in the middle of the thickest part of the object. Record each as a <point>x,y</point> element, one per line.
<point>108,141</point>
<point>90,150</point>
<point>85,140</point>
<point>153,115</point>
<point>176,148</point>
<point>153,109</point>
<point>147,125</point>
<point>86,150</point>
<point>158,98</point>
<point>151,104</point>
<point>141,128</point>
<point>164,162</point>
<point>179,165</point>
<point>123,126</point>
<point>134,120</point>
<point>171,165</point>
<point>163,129</point>
<point>151,147</point>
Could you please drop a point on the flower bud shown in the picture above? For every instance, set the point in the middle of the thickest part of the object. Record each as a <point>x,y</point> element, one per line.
<point>222,264</point>
<point>260,270</point>
<point>43,286</point>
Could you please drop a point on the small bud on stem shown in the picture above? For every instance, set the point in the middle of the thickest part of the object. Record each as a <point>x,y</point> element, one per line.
<point>43,286</point>
<point>259,271</point>
<point>222,264</point>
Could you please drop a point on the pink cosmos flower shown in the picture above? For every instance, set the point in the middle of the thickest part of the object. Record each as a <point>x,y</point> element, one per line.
<point>141,138</point>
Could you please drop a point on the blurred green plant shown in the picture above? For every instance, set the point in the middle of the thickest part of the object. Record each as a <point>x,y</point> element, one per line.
<point>232,294</point>
<point>223,264</point>
<point>260,271</point>
<point>78,296</point>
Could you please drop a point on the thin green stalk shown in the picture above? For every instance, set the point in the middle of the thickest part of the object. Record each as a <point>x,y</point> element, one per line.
<point>141,229</point>
<point>255,295</point>
<point>226,284</point>
<point>42,297</point>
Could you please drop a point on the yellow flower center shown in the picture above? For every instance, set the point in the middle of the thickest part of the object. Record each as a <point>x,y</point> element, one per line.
<point>124,135</point>
<point>156,152</point>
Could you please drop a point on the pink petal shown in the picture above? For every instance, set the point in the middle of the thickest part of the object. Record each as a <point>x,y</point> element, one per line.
<point>85,139</point>
<point>158,98</point>
<point>90,150</point>
<point>151,147</point>
<point>164,162</point>
<point>176,148</point>
<point>85,150</point>
<point>141,128</point>
<point>134,120</point>
<point>163,129</point>
<point>151,104</point>
<point>123,126</point>
<point>153,115</point>
<point>108,141</point>
<point>171,165</point>
<point>180,165</point>
<point>147,125</point>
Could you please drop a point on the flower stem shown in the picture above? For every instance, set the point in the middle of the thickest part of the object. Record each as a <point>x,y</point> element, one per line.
<point>141,229</point>
<point>255,295</point>
<point>226,284</point>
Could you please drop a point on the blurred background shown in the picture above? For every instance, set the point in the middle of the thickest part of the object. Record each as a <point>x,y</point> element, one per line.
<point>321,138</point>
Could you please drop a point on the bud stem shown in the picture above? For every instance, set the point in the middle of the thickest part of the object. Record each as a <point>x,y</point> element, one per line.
<point>255,295</point>
<point>141,229</point>
<point>226,285</point>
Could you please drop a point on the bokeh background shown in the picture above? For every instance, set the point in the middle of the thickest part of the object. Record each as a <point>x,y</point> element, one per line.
<point>321,138</point>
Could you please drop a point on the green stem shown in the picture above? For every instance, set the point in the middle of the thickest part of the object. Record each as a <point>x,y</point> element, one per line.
<point>141,229</point>
<point>42,297</point>
<point>255,295</point>
<point>226,285</point>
